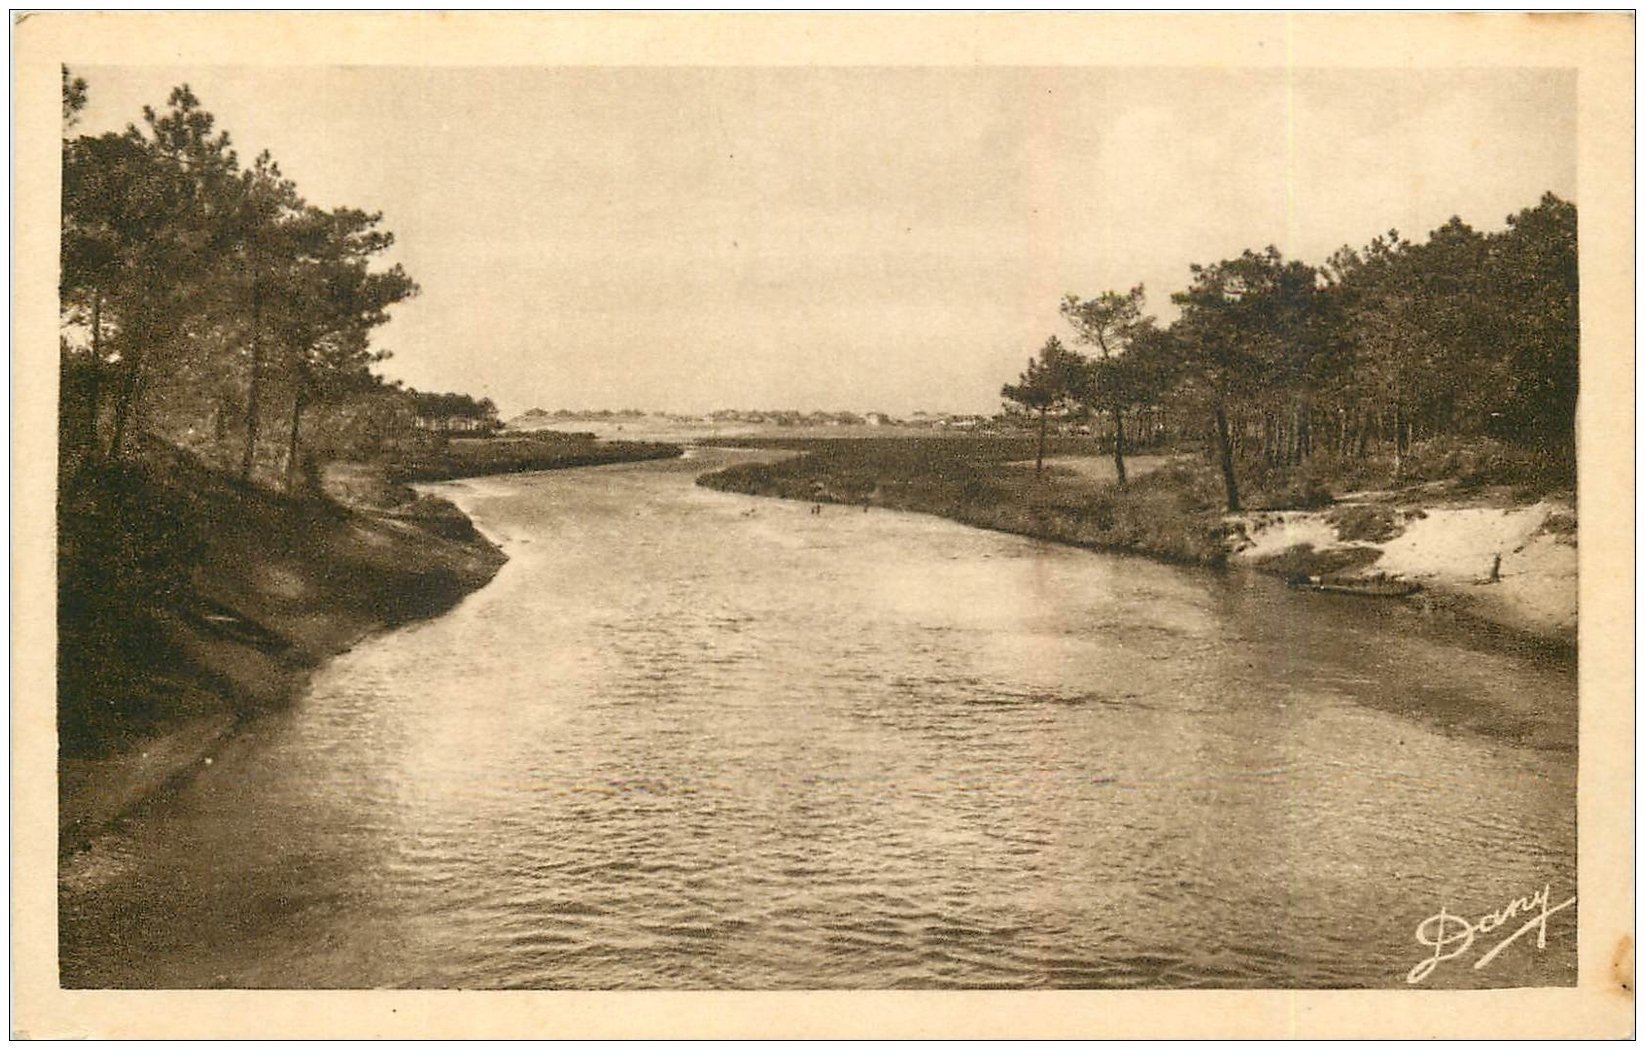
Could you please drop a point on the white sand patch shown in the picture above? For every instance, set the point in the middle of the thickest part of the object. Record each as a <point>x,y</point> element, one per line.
<point>1540,582</point>
<point>1452,551</point>
<point>1537,591</point>
<point>1271,533</point>
<point>1461,543</point>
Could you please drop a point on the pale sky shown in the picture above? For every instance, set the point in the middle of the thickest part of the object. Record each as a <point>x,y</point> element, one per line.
<point>846,238</point>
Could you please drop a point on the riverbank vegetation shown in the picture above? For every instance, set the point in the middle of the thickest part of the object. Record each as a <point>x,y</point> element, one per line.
<point>993,482</point>
<point>1485,551</point>
<point>200,301</point>
<point>216,358</point>
<point>1407,376</point>
<point>1396,361</point>
<point>1282,384</point>
<point>511,453</point>
<point>206,303</point>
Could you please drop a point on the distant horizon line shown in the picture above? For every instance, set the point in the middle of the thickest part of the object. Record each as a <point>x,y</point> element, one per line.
<point>631,412</point>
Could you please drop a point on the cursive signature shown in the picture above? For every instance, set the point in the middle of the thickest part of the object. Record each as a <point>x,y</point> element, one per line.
<point>1450,936</point>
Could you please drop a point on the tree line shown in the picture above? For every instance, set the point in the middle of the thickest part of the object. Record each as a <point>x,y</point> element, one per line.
<point>454,411</point>
<point>206,299</point>
<point>1275,363</point>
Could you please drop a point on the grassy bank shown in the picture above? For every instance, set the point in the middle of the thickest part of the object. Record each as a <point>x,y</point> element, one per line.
<point>189,601</point>
<point>511,453</point>
<point>1170,513</point>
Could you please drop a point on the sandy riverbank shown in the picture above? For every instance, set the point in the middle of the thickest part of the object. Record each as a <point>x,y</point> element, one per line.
<point>1513,566</point>
<point>1449,547</point>
<point>1446,539</point>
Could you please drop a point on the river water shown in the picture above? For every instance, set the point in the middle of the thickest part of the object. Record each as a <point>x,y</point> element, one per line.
<point>689,739</point>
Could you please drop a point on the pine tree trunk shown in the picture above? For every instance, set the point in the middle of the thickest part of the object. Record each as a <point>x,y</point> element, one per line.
<point>248,459</point>
<point>1119,444</point>
<point>1399,442</point>
<point>94,382</point>
<point>296,436</point>
<point>1227,459</point>
<point>125,404</point>
<point>1039,458</point>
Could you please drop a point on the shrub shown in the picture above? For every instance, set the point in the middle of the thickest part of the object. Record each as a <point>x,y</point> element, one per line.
<point>1366,522</point>
<point>1305,492</point>
<point>1488,462</point>
<point>1285,487</point>
<point>1304,561</point>
<point>1560,524</point>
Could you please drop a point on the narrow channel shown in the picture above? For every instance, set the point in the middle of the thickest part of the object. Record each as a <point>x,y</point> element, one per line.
<point>697,740</point>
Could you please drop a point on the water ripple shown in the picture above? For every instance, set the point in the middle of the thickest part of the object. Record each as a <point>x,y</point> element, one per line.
<point>673,746</point>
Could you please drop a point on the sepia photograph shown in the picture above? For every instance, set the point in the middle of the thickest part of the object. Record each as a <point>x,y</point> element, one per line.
<point>1024,527</point>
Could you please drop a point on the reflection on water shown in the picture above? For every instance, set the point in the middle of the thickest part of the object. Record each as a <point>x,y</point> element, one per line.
<point>696,740</point>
